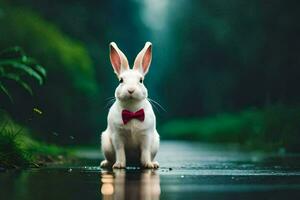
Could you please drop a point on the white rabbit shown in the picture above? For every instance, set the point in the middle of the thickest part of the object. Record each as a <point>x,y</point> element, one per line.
<point>130,136</point>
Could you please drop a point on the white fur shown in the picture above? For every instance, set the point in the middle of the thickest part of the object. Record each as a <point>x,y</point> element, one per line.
<point>135,142</point>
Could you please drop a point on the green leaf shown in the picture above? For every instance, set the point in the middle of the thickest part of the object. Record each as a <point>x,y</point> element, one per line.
<point>25,68</point>
<point>35,66</point>
<point>41,70</point>
<point>5,91</point>
<point>18,80</point>
<point>12,52</point>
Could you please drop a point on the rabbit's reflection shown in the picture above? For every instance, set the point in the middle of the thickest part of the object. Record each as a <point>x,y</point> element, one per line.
<point>121,184</point>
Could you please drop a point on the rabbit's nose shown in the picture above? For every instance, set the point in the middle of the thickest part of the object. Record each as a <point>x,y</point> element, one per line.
<point>130,91</point>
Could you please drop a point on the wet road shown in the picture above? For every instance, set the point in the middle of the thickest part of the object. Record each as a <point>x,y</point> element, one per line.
<point>188,171</point>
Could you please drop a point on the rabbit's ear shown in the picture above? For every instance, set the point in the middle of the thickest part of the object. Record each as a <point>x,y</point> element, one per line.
<point>143,59</point>
<point>117,59</point>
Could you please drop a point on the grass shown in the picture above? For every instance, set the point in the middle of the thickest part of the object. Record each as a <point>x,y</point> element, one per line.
<point>18,149</point>
<point>274,127</point>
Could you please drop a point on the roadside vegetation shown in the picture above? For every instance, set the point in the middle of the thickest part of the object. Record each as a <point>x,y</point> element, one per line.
<point>272,128</point>
<point>70,76</point>
<point>18,149</point>
<point>45,75</point>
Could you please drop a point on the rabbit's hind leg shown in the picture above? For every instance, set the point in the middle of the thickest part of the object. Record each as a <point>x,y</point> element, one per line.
<point>107,149</point>
<point>154,149</point>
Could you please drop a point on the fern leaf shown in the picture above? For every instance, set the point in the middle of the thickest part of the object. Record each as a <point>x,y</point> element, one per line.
<point>18,80</point>
<point>25,68</point>
<point>1,71</point>
<point>35,66</point>
<point>5,91</point>
<point>12,52</point>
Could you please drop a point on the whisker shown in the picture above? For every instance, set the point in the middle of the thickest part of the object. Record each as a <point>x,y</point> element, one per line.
<point>109,98</point>
<point>109,104</point>
<point>154,106</point>
<point>157,104</point>
<point>110,101</point>
<point>160,106</point>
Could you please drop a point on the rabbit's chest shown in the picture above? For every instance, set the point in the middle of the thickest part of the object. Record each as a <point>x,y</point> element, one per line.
<point>132,128</point>
<point>131,133</point>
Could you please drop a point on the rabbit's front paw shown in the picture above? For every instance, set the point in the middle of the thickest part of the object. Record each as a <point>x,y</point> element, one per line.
<point>155,164</point>
<point>119,165</point>
<point>105,164</point>
<point>150,165</point>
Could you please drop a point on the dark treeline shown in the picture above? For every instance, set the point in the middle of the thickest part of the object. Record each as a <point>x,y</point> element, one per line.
<point>233,54</point>
<point>210,56</point>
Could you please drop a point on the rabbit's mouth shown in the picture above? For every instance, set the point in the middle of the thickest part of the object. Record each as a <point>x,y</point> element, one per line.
<point>130,97</point>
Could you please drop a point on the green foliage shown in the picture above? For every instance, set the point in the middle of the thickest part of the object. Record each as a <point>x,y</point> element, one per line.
<point>11,154</point>
<point>45,41</point>
<point>69,97</point>
<point>14,65</point>
<point>18,149</point>
<point>271,128</point>
<point>221,128</point>
<point>230,55</point>
<point>282,127</point>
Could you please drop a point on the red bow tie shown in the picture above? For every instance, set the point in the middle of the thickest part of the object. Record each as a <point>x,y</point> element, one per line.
<point>127,115</point>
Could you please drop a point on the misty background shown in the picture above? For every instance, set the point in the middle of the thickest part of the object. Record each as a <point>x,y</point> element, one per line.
<point>214,64</point>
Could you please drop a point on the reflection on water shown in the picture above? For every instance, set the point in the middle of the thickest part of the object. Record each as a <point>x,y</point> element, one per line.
<point>197,171</point>
<point>79,183</point>
<point>121,184</point>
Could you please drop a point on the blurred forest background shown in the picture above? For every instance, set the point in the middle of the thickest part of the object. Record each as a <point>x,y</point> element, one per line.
<point>224,71</point>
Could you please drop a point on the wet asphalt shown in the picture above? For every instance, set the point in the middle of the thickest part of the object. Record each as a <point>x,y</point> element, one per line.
<point>189,170</point>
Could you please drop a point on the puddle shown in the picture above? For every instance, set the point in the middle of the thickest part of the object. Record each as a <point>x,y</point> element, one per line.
<point>191,171</point>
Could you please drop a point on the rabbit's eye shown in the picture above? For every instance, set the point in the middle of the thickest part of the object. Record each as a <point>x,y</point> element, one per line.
<point>121,80</point>
<point>141,80</point>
